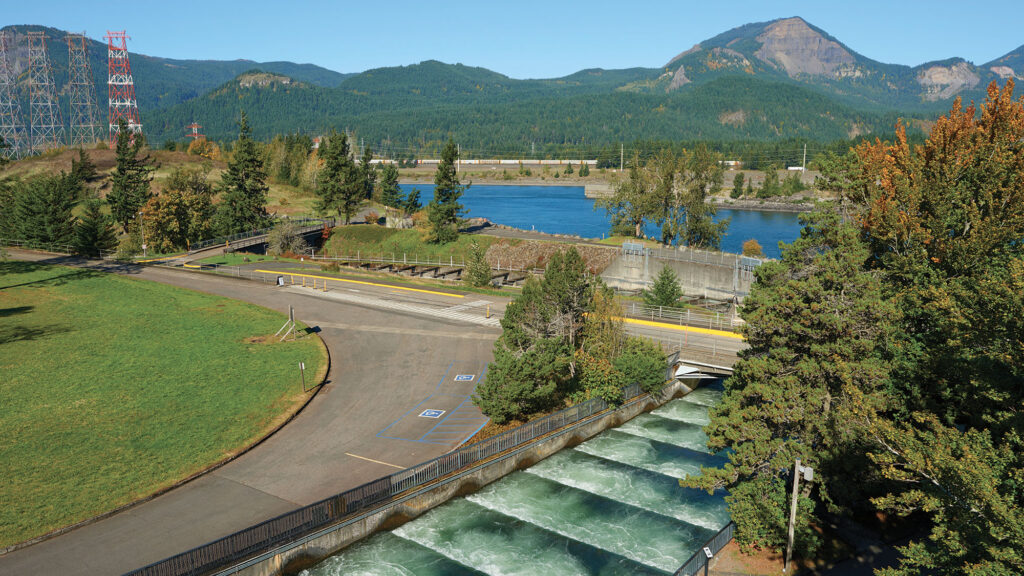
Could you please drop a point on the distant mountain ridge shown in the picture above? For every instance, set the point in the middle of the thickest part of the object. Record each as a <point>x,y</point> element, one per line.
<point>808,84</point>
<point>794,50</point>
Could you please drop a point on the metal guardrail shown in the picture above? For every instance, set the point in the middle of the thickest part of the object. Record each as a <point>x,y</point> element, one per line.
<point>242,544</point>
<point>418,260</point>
<point>700,558</point>
<point>302,222</point>
<point>54,247</point>
<point>681,317</point>
<point>687,254</point>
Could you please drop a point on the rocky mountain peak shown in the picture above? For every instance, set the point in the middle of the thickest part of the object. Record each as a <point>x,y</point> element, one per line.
<point>799,49</point>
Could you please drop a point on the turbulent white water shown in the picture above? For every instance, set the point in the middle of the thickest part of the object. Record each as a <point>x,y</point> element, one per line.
<point>612,505</point>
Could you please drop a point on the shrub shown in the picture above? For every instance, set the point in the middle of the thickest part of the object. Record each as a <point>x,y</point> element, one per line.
<point>641,362</point>
<point>665,291</point>
<point>753,248</point>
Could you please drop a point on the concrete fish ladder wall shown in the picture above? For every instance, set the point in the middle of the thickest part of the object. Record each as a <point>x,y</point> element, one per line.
<point>311,549</point>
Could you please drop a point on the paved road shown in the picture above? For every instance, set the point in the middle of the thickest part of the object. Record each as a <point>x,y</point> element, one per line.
<point>396,353</point>
<point>386,369</point>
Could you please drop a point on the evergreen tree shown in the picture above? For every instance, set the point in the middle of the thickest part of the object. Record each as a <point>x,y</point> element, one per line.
<point>83,169</point>
<point>42,210</point>
<point>770,187</point>
<point>412,202</point>
<point>817,326</point>
<point>390,193</point>
<point>665,291</point>
<point>584,169</point>
<point>737,186</point>
<point>341,188</point>
<point>129,190</point>
<point>4,160</point>
<point>478,270</point>
<point>94,233</point>
<point>444,211</point>
<point>243,187</point>
<point>367,173</point>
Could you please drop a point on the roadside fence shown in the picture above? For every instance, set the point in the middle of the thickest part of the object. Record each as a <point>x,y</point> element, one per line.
<point>301,222</point>
<point>688,317</point>
<point>701,558</point>
<point>293,525</point>
<point>54,247</point>
<point>420,260</point>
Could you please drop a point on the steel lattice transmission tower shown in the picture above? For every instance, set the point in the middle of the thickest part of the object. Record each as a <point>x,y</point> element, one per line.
<point>12,126</point>
<point>82,93</point>
<point>120,86</point>
<point>47,128</point>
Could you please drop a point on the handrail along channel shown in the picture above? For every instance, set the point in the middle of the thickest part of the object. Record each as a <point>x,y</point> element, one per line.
<point>291,525</point>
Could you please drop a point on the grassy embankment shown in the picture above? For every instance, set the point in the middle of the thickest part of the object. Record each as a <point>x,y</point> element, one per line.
<point>115,388</point>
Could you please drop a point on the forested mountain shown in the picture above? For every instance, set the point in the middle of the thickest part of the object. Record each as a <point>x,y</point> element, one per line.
<point>794,50</point>
<point>763,81</point>
<point>727,108</point>
<point>159,82</point>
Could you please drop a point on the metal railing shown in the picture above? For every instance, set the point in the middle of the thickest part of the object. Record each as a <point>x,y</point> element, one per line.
<point>55,247</point>
<point>301,222</point>
<point>404,258</point>
<point>695,255</point>
<point>681,317</point>
<point>292,525</point>
<point>700,558</point>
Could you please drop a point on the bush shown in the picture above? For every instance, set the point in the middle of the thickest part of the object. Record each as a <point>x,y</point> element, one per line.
<point>642,362</point>
<point>665,291</point>
<point>753,248</point>
<point>372,217</point>
<point>477,269</point>
<point>331,267</point>
<point>285,237</point>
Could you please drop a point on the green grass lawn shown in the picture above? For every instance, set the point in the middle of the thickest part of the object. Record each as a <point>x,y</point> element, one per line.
<point>240,258</point>
<point>115,387</point>
<point>371,239</point>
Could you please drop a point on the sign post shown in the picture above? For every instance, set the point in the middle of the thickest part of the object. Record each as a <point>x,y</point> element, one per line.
<point>302,371</point>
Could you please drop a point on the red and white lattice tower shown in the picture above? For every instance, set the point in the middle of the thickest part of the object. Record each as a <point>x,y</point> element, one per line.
<point>84,128</point>
<point>120,86</point>
<point>194,134</point>
<point>12,126</point>
<point>47,128</point>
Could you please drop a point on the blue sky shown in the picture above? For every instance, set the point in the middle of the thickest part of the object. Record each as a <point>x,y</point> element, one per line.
<point>524,39</point>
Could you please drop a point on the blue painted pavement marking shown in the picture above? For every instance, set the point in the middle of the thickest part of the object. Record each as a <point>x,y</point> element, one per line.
<point>431,413</point>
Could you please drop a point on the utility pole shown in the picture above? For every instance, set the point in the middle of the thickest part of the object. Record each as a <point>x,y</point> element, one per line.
<point>803,165</point>
<point>808,473</point>
<point>458,157</point>
<point>622,157</point>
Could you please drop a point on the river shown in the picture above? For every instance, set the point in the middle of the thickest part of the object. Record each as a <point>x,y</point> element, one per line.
<point>565,210</point>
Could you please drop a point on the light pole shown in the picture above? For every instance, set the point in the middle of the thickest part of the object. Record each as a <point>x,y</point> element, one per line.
<point>808,473</point>
<point>142,229</point>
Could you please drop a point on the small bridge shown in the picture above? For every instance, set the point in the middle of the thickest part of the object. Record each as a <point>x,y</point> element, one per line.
<point>251,238</point>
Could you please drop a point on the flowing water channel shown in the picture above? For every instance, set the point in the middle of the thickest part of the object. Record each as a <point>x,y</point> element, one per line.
<point>612,505</point>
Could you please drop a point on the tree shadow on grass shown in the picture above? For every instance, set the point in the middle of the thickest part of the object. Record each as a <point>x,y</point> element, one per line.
<point>58,280</point>
<point>15,310</point>
<point>10,334</point>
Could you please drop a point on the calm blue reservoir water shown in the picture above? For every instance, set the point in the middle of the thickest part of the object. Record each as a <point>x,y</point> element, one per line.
<point>565,210</point>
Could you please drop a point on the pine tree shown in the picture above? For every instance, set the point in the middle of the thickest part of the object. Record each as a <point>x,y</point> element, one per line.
<point>444,211</point>
<point>94,233</point>
<point>367,173</point>
<point>83,169</point>
<point>412,202</point>
<point>243,187</point>
<point>390,193</point>
<point>737,186</point>
<point>42,210</point>
<point>665,291</point>
<point>478,270</point>
<point>130,181</point>
<point>340,188</point>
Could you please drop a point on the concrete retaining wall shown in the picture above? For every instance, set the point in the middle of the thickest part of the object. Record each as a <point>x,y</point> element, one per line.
<point>695,278</point>
<point>292,558</point>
